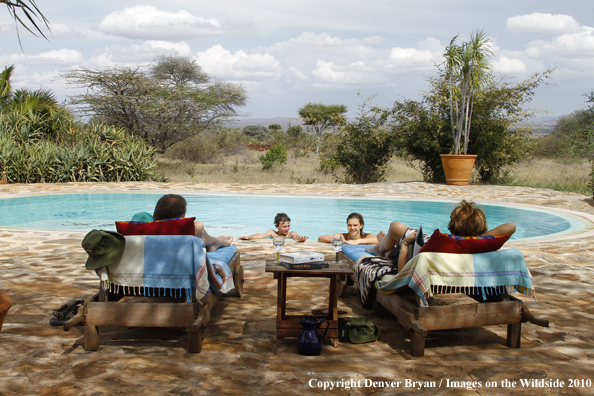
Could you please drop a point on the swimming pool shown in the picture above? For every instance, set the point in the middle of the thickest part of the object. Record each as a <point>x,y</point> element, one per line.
<point>238,215</point>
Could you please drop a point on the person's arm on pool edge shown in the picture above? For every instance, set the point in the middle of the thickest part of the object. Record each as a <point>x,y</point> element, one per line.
<point>503,229</point>
<point>259,235</point>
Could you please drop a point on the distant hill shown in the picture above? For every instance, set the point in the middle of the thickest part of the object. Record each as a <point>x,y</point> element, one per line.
<point>541,125</point>
<point>282,121</point>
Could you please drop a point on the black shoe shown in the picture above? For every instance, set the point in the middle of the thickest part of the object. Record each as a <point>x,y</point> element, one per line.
<point>57,322</point>
<point>66,309</point>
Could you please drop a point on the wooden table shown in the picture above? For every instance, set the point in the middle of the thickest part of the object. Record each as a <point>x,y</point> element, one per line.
<point>288,325</point>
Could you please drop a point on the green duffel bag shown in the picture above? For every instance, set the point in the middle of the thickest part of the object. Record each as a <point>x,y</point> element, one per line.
<point>362,330</point>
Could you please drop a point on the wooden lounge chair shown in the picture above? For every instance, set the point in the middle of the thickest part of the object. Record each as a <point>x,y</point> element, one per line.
<point>119,303</point>
<point>419,313</point>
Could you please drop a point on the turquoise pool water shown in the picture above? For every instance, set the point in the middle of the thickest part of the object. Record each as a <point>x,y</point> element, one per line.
<point>238,215</point>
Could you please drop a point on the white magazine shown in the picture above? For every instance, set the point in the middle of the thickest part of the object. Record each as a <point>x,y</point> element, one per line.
<point>301,257</point>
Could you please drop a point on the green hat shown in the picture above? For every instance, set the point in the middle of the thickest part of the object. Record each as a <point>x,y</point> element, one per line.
<point>103,247</point>
<point>142,217</point>
<point>362,330</point>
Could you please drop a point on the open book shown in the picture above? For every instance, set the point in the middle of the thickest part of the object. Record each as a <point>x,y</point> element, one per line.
<point>417,244</point>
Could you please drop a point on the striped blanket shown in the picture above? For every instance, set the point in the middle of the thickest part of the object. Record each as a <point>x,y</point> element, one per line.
<point>426,274</point>
<point>167,265</point>
<point>493,273</point>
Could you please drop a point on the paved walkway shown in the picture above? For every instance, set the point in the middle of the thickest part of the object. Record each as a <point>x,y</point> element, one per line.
<point>41,270</point>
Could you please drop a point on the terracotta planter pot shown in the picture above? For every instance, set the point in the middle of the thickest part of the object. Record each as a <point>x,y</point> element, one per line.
<point>457,168</point>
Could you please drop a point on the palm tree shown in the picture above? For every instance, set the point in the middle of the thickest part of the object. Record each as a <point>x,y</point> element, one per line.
<point>38,109</point>
<point>467,71</point>
<point>5,88</point>
<point>31,14</point>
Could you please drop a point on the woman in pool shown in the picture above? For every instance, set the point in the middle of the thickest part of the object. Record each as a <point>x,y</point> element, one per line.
<point>465,220</point>
<point>355,236</point>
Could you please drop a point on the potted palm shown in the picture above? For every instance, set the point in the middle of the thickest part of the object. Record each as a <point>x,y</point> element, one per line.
<point>467,70</point>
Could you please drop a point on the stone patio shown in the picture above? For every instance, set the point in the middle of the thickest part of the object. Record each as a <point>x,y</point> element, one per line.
<point>41,270</point>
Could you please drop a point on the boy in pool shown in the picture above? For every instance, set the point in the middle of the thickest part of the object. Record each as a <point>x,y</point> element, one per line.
<point>172,206</point>
<point>355,236</point>
<point>283,223</point>
<point>465,220</point>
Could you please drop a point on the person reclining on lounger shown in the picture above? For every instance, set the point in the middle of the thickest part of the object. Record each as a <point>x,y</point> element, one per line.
<point>465,220</point>
<point>283,224</point>
<point>172,206</point>
<point>355,236</point>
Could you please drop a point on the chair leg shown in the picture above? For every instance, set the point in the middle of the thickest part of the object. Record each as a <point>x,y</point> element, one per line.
<point>514,335</point>
<point>417,344</point>
<point>238,280</point>
<point>195,337</point>
<point>341,286</point>
<point>91,338</point>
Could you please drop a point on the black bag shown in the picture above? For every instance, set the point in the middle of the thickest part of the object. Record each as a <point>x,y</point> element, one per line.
<point>362,330</point>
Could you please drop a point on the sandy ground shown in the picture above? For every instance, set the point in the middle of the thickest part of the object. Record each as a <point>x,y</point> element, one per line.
<point>41,270</point>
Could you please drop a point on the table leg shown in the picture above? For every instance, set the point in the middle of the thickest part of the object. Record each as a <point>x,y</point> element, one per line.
<point>332,300</point>
<point>281,303</point>
<point>333,305</point>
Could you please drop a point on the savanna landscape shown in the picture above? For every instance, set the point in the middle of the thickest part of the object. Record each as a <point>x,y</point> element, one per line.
<point>150,113</point>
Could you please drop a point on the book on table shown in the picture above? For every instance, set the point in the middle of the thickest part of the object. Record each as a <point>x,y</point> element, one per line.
<point>301,257</point>
<point>305,266</point>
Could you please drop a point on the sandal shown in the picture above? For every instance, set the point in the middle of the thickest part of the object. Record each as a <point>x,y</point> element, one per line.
<point>65,310</point>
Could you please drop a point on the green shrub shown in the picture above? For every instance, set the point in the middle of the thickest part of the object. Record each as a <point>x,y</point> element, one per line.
<point>365,147</point>
<point>258,132</point>
<point>94,153</point>
<point>209,147</point>
<point>424,128</point>
<point>276,154</point>
<point>549,146</point>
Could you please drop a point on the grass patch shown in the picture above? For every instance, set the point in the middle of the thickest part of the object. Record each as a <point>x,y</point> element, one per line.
<point>245,168</point>
<point>572,176</point>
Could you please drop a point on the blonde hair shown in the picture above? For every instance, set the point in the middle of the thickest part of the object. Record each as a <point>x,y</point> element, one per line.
<point>467,220</point>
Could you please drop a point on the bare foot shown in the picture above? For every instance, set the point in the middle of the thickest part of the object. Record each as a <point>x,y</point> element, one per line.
<point>220,242</point>
<point>381,235</point>
<point>373,250</point>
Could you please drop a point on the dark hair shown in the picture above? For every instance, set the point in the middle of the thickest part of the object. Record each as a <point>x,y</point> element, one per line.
<point>358,217</point>
<point>280,218</point>
<point>170,206</point>
<point>467,220</point>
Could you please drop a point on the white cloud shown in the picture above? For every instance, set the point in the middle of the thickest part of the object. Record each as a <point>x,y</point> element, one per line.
<point>352,74</point>
<point>411,57</point>
<point>573,46</point>
<point>222,63</point>
<point>318,60</point>
<point>62,57</point>
<point>507,65</point>
<point>148,23</point>
<point>543,23</point>
<point>133,55</point>
<point>7,28</point>
<point>65,32</point>
<point>23,77</point>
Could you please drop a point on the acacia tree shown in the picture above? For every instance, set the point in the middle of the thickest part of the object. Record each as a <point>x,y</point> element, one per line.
<point>166,103</point>
<point>322,117</point>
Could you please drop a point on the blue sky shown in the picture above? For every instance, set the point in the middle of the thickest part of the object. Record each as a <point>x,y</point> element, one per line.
<point>287,54</point>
